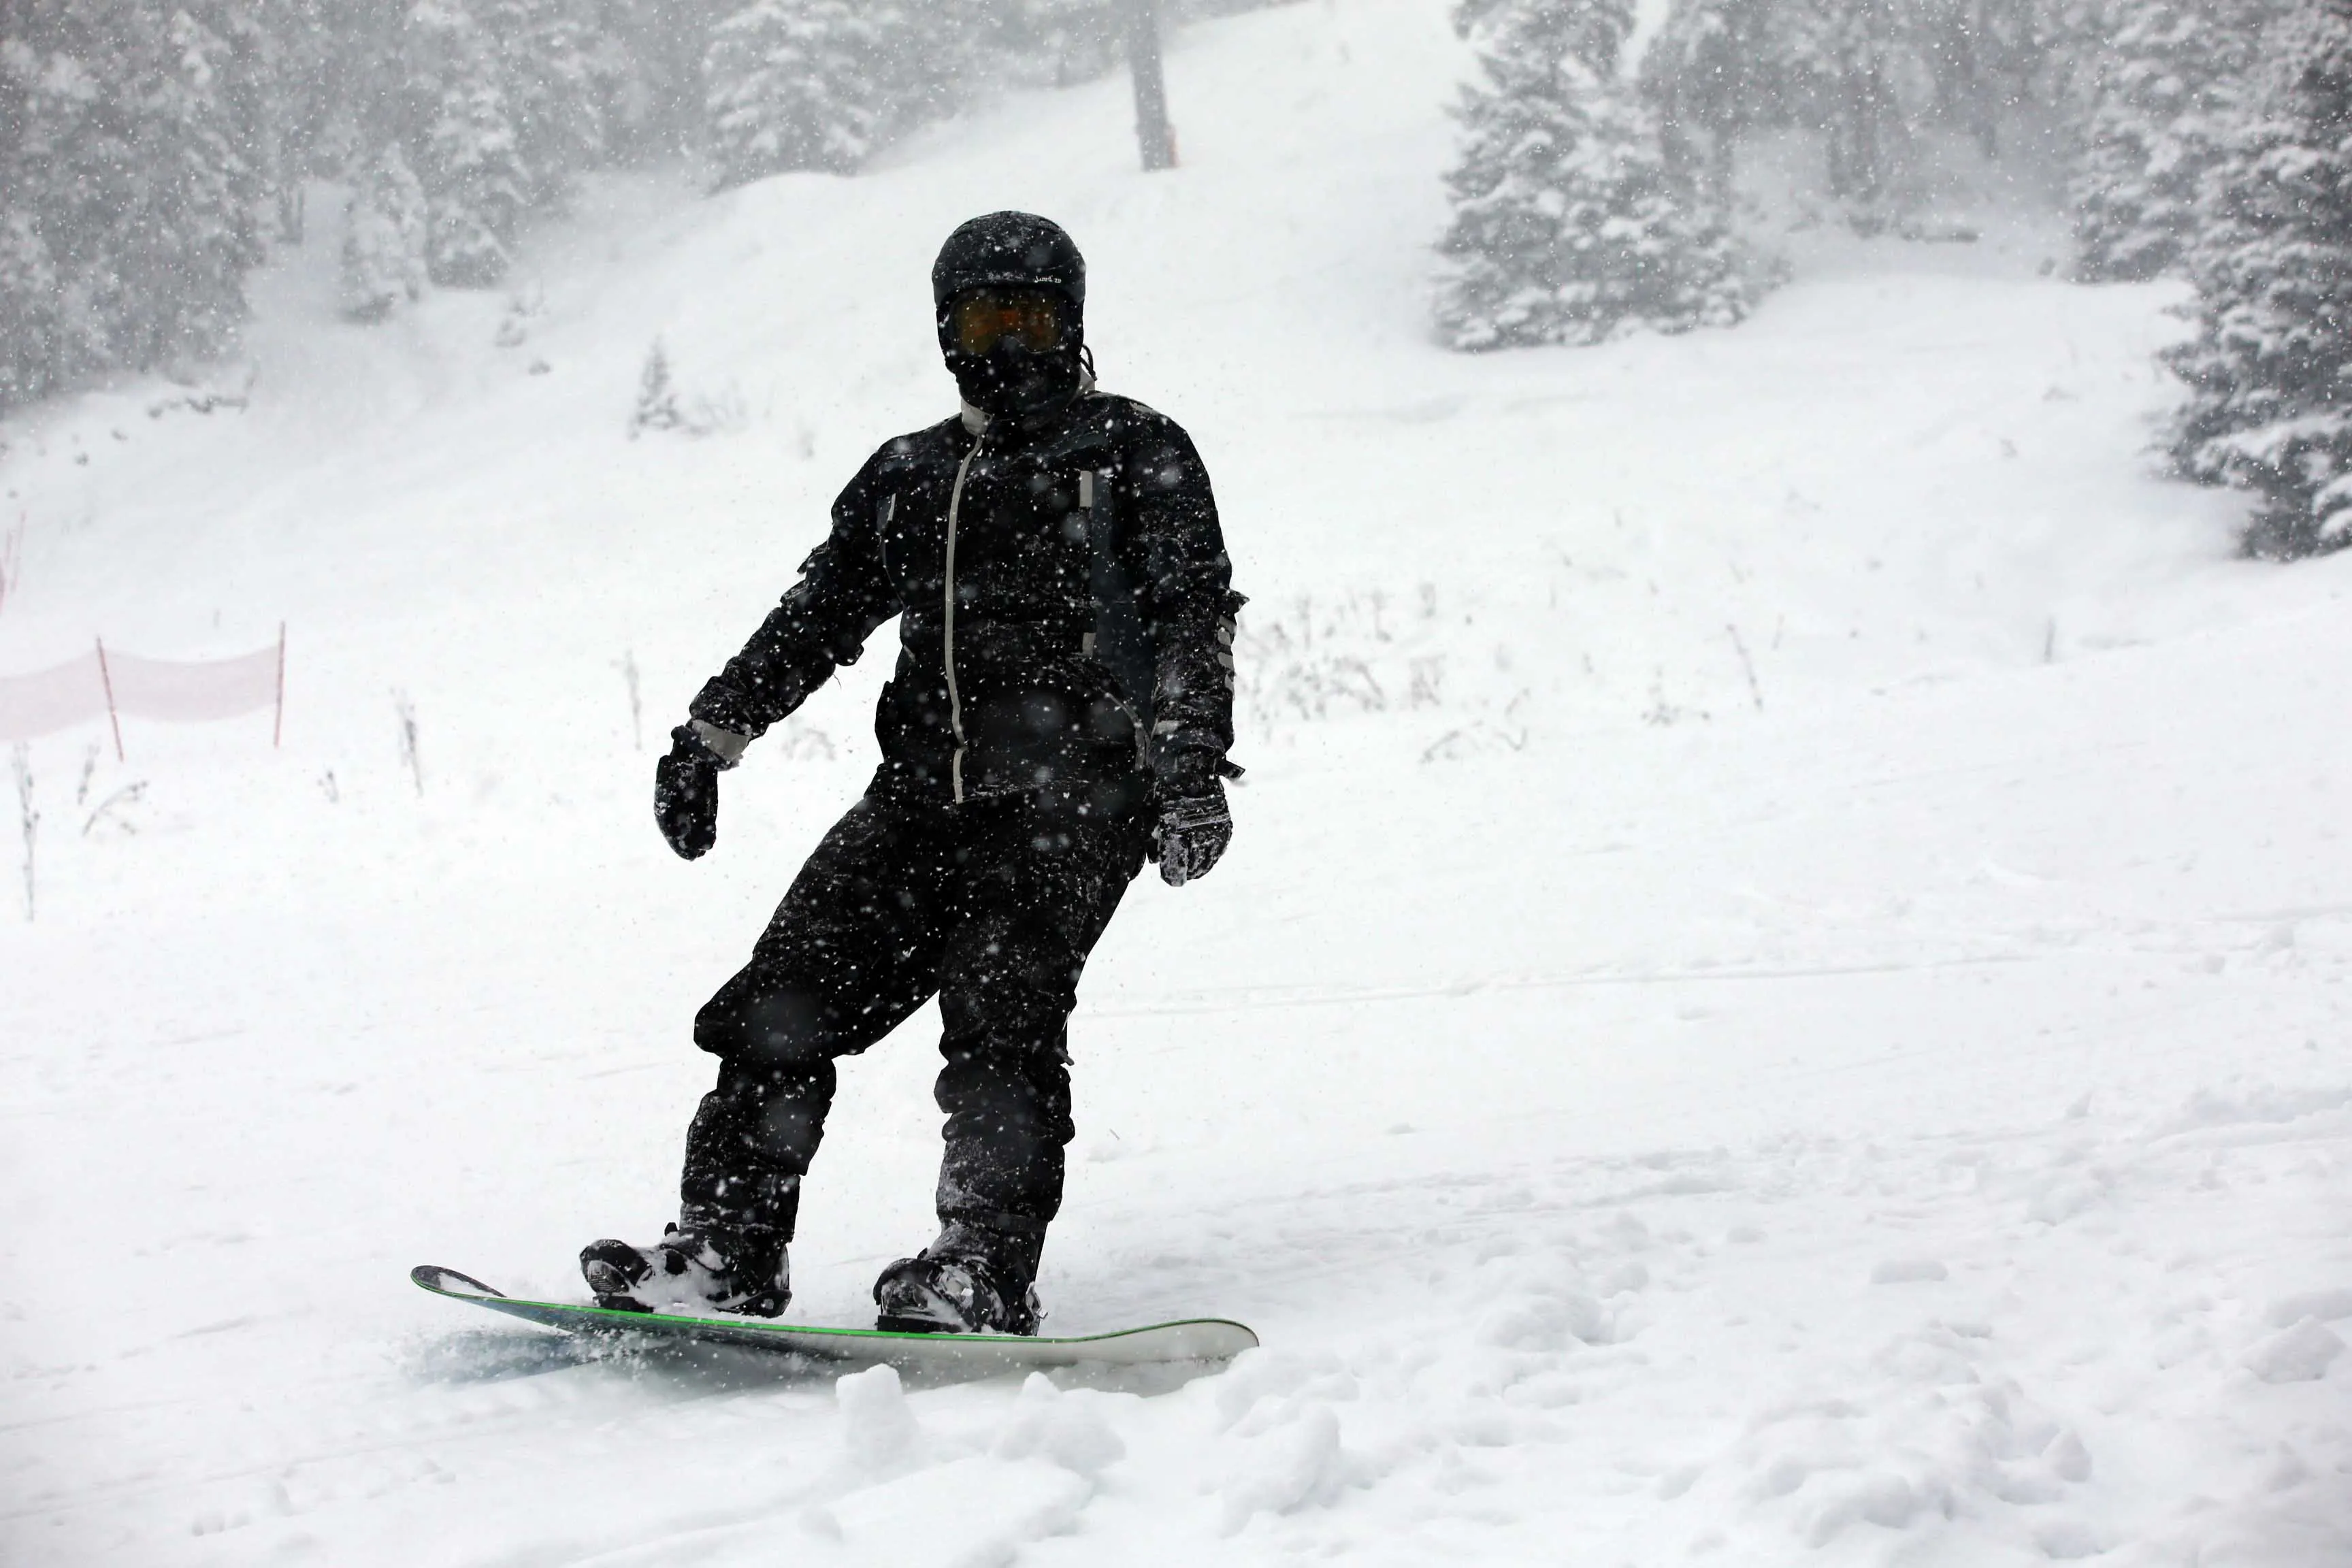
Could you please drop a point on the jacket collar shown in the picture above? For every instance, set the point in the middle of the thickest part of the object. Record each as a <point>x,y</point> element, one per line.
<point>977,419</point>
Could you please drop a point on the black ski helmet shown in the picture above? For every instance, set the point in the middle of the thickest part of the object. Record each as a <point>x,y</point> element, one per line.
<point>1008,250</point>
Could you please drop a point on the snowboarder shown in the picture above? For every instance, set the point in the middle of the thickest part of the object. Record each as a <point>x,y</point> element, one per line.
<point>1061,710</point>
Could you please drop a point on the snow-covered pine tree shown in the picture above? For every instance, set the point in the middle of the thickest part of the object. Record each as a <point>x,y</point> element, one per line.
<point>462,146</point>
<point>657,407</point>
<point>384,231</point>
<point>798,84</point>
<point>34,354</point>
<point>1568,224</point>
<point>820,84</point>
<point>123,163</point>
<point>1846,60</point>
<point>933,54</point>
<point>1709,76</point>
<point>2068,36</point>
<point>1875,80</point>
<point>251,85</point>
<point>315,92</point>
<point>28,274</point>
<point>52,251</point>
<point>2270,370</point>
<point>1981,58</point>
<point>1055,42</point>
<point>648,62</point>
<point>196,232</point>
<point>548,74</point>
<point>2165,90</point>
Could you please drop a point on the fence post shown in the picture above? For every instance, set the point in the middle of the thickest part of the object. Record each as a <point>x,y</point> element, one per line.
<point>106,680</point>
<point>278,726</point>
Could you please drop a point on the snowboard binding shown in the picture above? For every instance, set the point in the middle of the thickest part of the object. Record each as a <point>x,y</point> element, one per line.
<point>746,1272</point>
<point>967,1282</point>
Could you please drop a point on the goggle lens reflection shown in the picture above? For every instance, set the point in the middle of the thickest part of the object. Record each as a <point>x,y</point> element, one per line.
<point>983,320</point>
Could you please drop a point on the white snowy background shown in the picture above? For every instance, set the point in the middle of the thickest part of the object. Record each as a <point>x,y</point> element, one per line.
<point>1779,996</point>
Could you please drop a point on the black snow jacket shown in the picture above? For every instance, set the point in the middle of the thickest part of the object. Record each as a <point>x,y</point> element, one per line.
<point>1064,603</point>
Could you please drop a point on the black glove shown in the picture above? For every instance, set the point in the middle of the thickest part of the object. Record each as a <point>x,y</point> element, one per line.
<point>686,795</point>
<point>1194,824</point>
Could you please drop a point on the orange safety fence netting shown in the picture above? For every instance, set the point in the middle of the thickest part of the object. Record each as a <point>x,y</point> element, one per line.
<point>180,691</point>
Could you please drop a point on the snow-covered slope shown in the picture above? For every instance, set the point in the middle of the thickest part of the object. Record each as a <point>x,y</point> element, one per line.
<point>1779,996</point>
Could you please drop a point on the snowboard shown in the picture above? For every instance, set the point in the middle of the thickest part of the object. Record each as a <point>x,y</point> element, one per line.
<point>1191,1340</point>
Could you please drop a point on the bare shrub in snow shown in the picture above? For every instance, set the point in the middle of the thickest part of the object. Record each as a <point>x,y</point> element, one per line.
<point>523,308</point>
<point>404,712</point>
<point>627,666</point>
<point>1363,652</point>
<point>11,555</point>
<point>1310,660</point>
<point>28,820</point>
<point>111,817</point>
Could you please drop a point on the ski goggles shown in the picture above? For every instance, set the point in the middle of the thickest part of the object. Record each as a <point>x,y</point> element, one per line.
<point>986,317</point>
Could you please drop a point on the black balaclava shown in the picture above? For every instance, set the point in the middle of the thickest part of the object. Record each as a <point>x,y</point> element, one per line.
<point>1013,251</point>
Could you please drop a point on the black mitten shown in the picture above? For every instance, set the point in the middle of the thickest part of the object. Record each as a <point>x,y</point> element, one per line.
<point>686,795</point>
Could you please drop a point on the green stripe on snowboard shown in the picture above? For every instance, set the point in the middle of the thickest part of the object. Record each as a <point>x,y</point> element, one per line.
<point>1188,1340</point>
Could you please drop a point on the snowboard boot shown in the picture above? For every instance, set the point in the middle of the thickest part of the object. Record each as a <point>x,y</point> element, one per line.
<point>969,1281</point>
<point>707,1269</point>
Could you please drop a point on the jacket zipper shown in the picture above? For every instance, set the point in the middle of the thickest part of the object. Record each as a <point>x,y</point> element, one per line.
<point>955,697</point>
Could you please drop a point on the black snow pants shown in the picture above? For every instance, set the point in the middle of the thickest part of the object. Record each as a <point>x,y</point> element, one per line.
<point>992,905</point>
